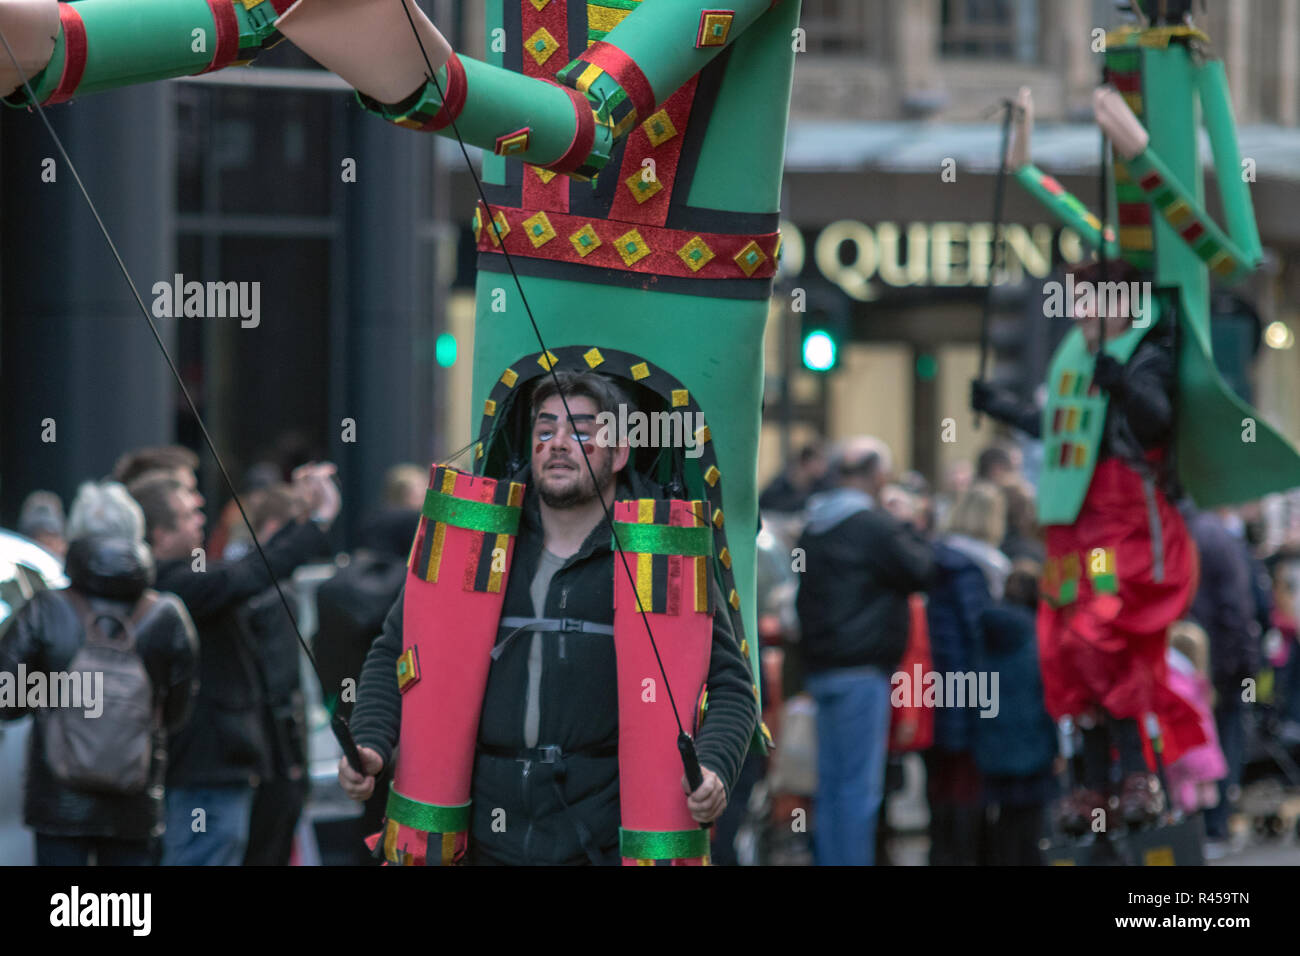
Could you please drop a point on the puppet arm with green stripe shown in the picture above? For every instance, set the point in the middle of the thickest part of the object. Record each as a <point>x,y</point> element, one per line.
<point>1226,259</point>
<point>1063,205</point>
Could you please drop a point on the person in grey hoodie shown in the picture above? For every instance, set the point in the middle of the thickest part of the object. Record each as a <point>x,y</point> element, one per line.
<point>860,565</point>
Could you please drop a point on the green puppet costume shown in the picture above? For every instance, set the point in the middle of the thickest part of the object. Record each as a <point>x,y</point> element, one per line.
<point>1163,229</point>
<point>1120,564</point>
<point>633,158</point>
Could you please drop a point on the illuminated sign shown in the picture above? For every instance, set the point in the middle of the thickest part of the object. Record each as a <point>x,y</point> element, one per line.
<point>862,259</point>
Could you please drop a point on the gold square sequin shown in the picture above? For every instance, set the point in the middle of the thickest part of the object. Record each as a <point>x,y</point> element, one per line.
<point>715,27</point>
<point>545,175</point>
<point>696,254</point>
<point>501,231</point>
<point>640,188</point>
<point>680,397</point>
<point>538,229</point>
<point>750,258</point>
<point>631,247</point>
<point>640,370</point>
<point>512,144</point>
<point>509,377</point>
<point>659,128</point>
<point>593,357</point>
<point>541,45</point>
<point>585,240</point>
<point>547,360</point>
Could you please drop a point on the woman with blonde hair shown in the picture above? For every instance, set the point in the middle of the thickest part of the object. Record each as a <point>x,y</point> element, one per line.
<point>970,573</point>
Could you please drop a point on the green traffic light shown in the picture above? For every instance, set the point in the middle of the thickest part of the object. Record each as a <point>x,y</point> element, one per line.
<point>819,351</point>
<point>444,350</point>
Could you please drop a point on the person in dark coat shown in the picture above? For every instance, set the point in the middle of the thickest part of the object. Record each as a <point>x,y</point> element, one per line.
<point>282,795</point>
<point>110,568</point>
<point>805,476</point>
<point>1015,748</point>
<point>1225,607</point>
<point>350,611</point>
<point>862,565</point>
<point>223,755</point>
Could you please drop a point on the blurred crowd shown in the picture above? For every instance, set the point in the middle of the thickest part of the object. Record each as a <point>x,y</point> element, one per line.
<point>897,579</point>
<point>222,777</point>
<point>939,580</point>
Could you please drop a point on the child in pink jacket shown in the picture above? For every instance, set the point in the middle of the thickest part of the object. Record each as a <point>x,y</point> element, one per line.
<point>1192,776</point>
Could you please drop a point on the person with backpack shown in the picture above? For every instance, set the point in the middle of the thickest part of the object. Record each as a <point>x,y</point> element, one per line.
<point>95,772</point>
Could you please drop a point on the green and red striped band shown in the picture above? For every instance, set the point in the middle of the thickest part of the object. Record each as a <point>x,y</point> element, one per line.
<point>584,135</point>
<point>625,72</point>
<point>453,96</point>
<point>227,28</point>
<point>74,54</point>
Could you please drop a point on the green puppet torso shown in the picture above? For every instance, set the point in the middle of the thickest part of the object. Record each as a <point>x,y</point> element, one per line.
<point>672,269</point>
<point>1074,422</point>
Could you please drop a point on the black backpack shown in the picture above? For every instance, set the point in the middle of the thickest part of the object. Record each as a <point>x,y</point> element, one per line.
<point>110,752</point>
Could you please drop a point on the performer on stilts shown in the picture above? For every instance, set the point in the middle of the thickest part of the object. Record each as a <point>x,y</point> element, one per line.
<point>1136,412</point>
<point>632,168</point>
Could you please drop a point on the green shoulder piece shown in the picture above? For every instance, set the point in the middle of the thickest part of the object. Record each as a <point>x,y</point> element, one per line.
<point>1074,418</point>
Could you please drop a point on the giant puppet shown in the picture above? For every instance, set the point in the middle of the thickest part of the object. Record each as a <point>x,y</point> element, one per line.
<point>632,165</point>
<point>1121,566</point>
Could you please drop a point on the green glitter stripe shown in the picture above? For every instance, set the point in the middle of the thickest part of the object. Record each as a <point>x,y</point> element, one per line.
<point>674,845</point>
<point>426,817</point>
<point>471,515</point>
<point>663,539</point>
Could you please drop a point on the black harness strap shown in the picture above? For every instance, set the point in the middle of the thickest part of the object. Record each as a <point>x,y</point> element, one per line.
<point>561,625</point>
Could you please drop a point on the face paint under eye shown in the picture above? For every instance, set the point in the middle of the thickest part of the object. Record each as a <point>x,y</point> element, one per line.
<point>538,447</point>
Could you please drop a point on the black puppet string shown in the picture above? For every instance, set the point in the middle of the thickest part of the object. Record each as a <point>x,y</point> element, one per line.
<point>337,723</point>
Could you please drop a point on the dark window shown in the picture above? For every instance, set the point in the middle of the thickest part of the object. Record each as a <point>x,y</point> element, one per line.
<point>991,29</point>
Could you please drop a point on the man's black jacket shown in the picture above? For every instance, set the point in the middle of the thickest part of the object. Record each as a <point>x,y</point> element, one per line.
<point>579,708</point>
<point>111,573</point>
<point>861,565</point>
<point>225,743</point>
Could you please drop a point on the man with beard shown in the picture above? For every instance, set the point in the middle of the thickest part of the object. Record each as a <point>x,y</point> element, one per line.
<point>546,774</point>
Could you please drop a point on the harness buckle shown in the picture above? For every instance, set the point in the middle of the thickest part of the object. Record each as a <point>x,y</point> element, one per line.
<point>551,754</point>
<point>570,625</point>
